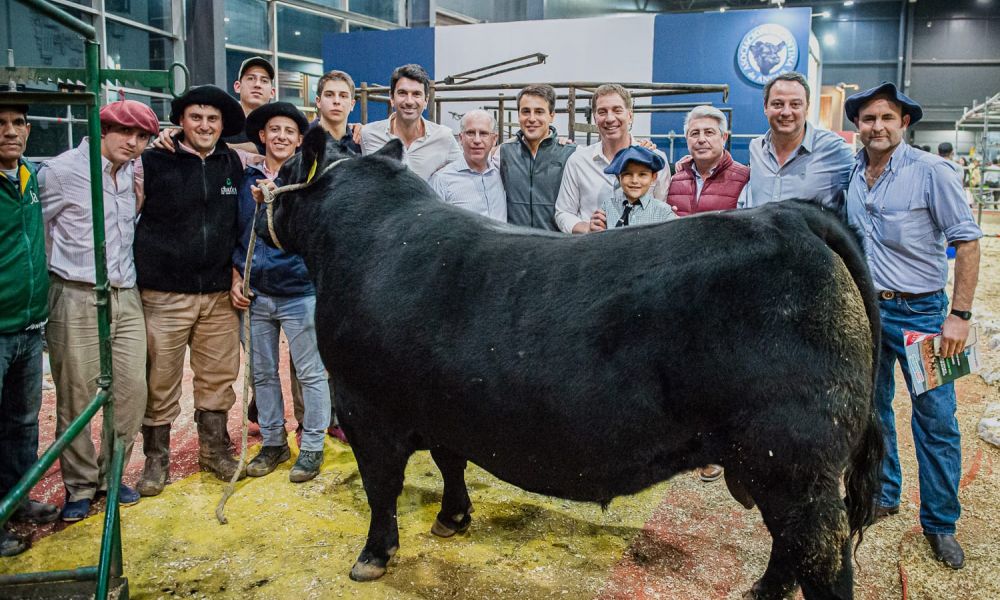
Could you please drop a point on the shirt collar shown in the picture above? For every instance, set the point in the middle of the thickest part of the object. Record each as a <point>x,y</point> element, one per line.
<point>462,165</point>
<point>392,119</point>
<point>84,148</point>
<point>899,154</point>
<point>597,155</point>
<point>805,146</point>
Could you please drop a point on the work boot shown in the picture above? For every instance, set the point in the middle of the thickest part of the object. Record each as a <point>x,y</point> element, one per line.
<point>156,447</point>
<point>213,445</point>
<point>12,544</point>
<point>306,467</point>
<point>268,460</point>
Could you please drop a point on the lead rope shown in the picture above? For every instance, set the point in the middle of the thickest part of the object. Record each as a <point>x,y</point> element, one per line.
<point>247,377</point>
<point>269,196</point>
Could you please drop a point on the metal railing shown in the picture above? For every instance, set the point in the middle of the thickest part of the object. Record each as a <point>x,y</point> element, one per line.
<point>502,96</point>
<point>109,567</point>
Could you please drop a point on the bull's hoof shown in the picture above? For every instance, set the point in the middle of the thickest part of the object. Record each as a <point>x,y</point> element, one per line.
<point>757,592</point>
<point>457,524</point>
<point>366,571</point>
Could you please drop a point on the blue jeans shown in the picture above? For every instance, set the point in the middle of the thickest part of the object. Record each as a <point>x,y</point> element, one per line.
<point>294,315</point>
<point>935,428</point>
<point>20,401</point>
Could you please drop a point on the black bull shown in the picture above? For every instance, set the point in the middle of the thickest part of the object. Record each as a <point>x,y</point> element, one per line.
<point>589,367</point>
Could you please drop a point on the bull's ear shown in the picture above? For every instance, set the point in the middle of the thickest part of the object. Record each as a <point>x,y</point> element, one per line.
<point>313,151</point>
<point>394,150</point>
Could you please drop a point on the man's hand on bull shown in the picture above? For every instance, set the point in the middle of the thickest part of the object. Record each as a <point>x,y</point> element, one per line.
<point>165,141</point>
<point>598,221</point>
<point>954,334</point>
<point>257,191</point>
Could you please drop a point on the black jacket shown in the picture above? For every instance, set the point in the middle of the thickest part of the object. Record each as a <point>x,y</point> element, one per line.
<point>188,227</point>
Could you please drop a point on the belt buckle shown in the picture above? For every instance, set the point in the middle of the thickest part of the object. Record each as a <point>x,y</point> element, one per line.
<point>887,295</point>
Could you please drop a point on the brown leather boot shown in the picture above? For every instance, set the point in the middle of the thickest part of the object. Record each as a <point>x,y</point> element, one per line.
<point>213,446</point>
<point>156,447</point>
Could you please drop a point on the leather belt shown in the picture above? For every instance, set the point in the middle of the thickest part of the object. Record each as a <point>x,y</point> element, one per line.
<point>890,295</point>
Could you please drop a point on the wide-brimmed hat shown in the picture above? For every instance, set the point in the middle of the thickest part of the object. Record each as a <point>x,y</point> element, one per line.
<point>257,120</point>
<point>636,154</point>
<point>256,61</point>
<point>853,104</point>
<point>233,118</point>
<point>130,113</point>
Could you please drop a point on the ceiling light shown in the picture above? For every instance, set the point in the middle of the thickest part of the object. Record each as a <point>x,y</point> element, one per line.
<point>848,2</point>
<point>825,14</point>
<point>298,33</point>
<point>830,39</point>
<point>722,9</point>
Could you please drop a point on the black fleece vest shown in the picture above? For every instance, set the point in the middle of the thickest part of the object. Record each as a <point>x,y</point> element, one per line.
<point>187,231</point>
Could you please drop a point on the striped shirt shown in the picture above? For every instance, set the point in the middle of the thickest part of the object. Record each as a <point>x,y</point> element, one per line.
<point>64,182</point>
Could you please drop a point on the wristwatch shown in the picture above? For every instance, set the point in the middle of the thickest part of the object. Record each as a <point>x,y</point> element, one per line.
<point>965,315</point>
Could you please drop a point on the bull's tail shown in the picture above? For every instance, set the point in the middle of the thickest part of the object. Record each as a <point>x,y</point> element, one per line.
<point>862,474</point>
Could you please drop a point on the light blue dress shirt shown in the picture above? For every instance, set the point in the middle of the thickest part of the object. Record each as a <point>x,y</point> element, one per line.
<point>458,184</point>
<point>915,207</point>
<point>818,170</point>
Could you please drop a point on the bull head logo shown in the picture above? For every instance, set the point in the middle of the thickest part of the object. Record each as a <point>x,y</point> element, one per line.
<point>766,55</point>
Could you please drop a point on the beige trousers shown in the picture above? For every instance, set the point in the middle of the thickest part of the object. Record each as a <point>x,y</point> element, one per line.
<point>207,323</point>
<point>75,358</point>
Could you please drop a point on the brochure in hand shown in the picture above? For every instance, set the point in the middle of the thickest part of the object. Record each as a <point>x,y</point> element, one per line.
<point>927,369</point>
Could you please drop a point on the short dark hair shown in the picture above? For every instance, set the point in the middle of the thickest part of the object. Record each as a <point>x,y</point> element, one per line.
<point>410,71</point>
<point>945,148</point>
<point>607,89</point>
<point>334,76</point>
<point>542,90</point>
<point>18,108</point>
<point>797,77</point>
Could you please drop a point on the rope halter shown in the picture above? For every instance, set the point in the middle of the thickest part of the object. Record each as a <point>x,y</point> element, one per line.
<point>270,195</point>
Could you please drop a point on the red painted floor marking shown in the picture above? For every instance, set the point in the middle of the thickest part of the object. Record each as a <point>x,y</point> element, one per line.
<point>183,444</point>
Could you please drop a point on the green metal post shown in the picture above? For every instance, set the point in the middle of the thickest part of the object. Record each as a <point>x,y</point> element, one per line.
<point>110,562</point>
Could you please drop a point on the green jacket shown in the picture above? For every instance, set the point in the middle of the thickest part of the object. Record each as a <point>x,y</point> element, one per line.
<point>24,278</point>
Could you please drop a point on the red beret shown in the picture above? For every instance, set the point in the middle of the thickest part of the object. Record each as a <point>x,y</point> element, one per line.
<point>129,113</point>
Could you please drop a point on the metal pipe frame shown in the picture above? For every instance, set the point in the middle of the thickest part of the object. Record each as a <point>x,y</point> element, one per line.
<point>111,553</point>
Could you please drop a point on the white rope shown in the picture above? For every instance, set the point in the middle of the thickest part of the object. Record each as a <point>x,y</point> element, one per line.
<point>269,196</point>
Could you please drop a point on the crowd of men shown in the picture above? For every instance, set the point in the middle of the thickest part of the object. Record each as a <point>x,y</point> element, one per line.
<point>179,215</point>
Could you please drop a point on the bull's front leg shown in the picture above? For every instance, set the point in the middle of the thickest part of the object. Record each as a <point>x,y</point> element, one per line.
<point>382,473</point>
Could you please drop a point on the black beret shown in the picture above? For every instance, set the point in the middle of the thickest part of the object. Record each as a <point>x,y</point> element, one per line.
<point>233,118</point>
<point>257,120</point>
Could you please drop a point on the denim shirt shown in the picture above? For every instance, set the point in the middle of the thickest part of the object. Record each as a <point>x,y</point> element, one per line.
<point>915,207</point>
<point>818,170</point>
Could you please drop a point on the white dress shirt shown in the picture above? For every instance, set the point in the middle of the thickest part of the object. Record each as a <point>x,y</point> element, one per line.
<point>64,182</point>
<point>585,185</point>
<point>425,155</point>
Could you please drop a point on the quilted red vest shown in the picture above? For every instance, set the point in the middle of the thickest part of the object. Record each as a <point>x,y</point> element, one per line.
<point>720,192</point>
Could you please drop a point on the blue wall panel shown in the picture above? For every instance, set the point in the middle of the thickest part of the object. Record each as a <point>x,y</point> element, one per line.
<point>372,55</point>
<point>702,48</point>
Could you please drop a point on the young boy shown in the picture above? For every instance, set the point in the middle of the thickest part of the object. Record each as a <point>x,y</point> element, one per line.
<point>632,201</point>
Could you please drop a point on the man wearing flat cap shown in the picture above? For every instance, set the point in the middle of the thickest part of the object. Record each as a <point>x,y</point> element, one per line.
<point>183,257</point>
<point>126,128</point>
<point>907,205</point>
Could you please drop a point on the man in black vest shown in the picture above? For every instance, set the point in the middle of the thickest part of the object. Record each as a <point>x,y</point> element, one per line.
<point>183,258</point>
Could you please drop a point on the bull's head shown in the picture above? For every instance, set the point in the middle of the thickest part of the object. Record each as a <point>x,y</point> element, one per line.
<point>767,55</point>
<point>294,211</point>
